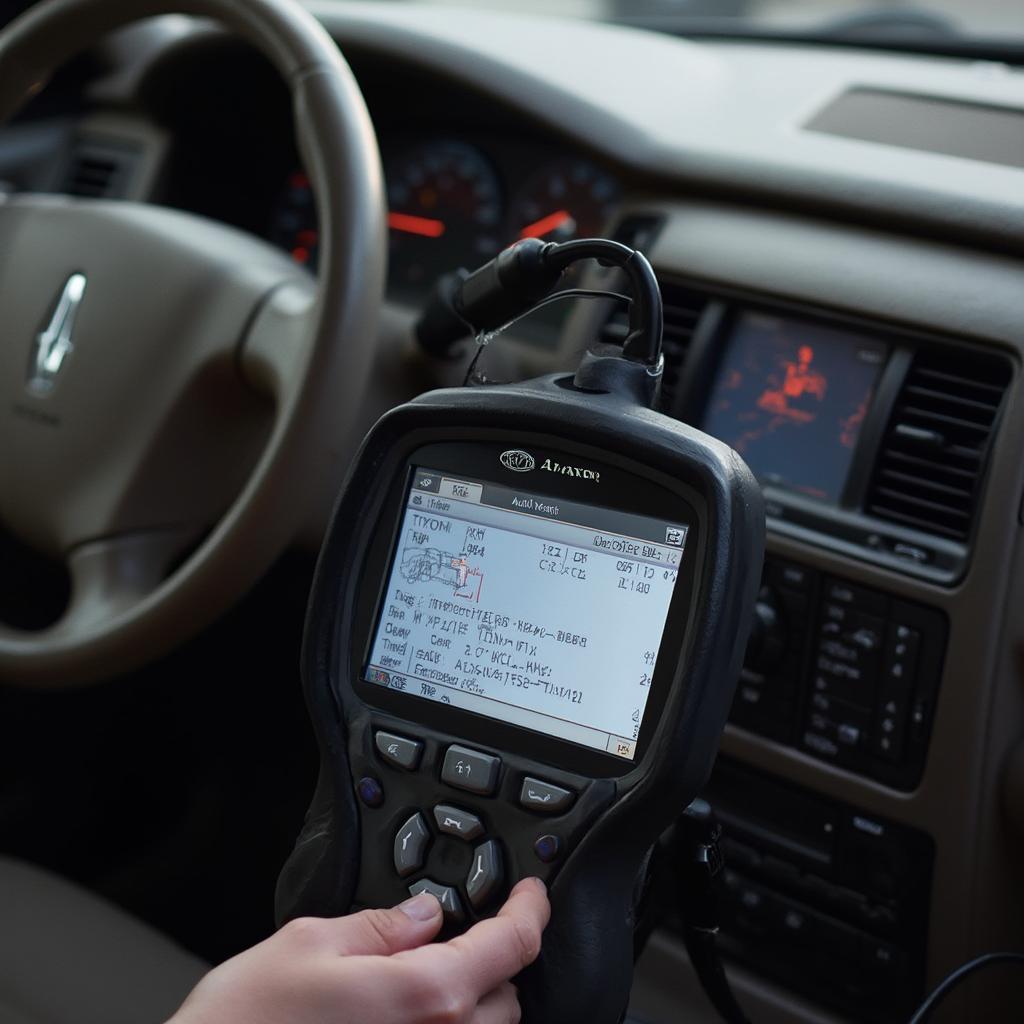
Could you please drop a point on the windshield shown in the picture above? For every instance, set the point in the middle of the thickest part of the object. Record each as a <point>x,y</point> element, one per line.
<point>942,23</point>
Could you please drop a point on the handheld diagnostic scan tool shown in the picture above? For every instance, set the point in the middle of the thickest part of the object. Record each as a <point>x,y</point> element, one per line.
<point>525,629</point>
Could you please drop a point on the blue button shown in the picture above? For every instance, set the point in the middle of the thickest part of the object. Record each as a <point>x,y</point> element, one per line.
<point>547,848</point>
<point>370,792</point>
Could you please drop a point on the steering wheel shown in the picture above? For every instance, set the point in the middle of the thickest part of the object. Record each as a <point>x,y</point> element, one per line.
<point>185,381</point>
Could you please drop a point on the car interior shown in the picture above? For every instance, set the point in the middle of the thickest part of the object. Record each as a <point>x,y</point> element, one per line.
<point>219,247</point>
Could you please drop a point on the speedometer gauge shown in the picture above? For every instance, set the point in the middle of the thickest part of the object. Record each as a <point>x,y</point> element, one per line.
<point>570,198</point>
<point>445,212</point>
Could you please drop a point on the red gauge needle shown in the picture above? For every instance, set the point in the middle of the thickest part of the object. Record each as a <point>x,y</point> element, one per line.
<point>544,226</point>
<point>416,225</point>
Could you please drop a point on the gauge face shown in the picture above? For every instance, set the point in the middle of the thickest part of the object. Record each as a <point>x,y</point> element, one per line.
<point>293,227</point>
<point>569,198</point>
<point>445,212</point>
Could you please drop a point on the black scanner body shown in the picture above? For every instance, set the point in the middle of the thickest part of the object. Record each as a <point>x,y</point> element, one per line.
<point>342,859</point>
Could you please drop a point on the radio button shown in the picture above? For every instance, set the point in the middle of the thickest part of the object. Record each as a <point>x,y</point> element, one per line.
<point>537,795</point>
<point>866,633</point>
<point>456,822</point>
<point>446,896</point>
<point>400,751</point>
<point>848,734</point>
<point>844,593</point>
<point>411,845</point>
<point>901,657</point>
<point>484,874</point>
<point>470,770</point>
<point>790,575</point>
<point>890,732</point>
<point>821,745</point>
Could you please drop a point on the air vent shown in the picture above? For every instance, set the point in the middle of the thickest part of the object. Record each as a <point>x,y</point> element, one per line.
<point>683,308</point>
<point>929,470</point>
<point>99,171</point>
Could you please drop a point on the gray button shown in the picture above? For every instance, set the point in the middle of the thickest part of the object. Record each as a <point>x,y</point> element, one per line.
<point>399,750</point>
<point>470,770</point>
<point>446,895</point>
<point>457,822</point>
<point>484,876</point>
<point>411,845</point>
<point>538,795</point>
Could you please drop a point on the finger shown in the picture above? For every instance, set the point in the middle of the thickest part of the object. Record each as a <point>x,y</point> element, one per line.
<point>379,932</point>
<point>498,1007</point>
<point>492,951</point>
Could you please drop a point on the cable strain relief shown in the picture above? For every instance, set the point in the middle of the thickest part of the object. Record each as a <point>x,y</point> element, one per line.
<point>603,369</point>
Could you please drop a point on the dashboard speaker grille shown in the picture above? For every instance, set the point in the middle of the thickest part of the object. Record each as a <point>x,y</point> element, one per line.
<point>98,171</point>
<point>930,465</point>
<point>683,309</point>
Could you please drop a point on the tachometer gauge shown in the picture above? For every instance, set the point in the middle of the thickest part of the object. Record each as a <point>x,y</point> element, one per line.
<point>445,212</point>
<point>570,198</point>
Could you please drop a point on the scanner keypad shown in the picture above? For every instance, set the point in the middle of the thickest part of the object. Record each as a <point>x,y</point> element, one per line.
<point>444,848</point>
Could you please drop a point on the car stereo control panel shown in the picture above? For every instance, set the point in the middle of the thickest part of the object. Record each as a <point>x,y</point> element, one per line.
<point>843,672</point>
<point>827,898</point>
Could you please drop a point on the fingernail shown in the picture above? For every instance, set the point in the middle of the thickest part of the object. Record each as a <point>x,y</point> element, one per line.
<point>538,883</point>
<point>421,907</point>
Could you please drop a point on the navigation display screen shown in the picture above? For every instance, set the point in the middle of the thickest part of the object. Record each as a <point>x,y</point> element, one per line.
<point>791,397</point>
<point>540,612</point>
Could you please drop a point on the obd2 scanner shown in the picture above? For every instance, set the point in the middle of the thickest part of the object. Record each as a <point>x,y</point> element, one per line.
<point>525,628</point>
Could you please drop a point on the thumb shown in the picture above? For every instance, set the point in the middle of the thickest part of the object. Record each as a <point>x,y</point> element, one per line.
<point>383,932</point>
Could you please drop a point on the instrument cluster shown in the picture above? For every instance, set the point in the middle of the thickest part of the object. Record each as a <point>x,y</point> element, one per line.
<point>451,204</point>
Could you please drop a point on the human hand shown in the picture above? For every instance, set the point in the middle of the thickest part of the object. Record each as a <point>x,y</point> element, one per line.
<point>379,966</point>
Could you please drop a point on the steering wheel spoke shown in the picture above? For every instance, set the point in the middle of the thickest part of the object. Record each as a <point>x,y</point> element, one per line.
<point>111,580</point>
<point>109,577</point>
<point>273,353</point>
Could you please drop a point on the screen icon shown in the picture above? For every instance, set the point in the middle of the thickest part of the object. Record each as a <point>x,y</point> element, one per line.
<point>675,536</point>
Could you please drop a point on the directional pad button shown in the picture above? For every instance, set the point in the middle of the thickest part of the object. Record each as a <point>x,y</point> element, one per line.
<point>446,896</point>
<point>411,845</point>
<point>485,874</point>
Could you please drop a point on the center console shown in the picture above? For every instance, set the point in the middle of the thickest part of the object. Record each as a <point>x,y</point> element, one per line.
<point>843,672</point>
<point>824,897</point>
<point>875,444</point>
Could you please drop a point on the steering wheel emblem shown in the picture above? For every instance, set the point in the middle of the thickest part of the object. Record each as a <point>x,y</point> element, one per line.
<point>53,343</point>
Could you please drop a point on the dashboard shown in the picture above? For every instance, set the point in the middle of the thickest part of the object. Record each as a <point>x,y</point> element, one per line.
<point>844,311</point>
<point>456,202</point>
<point>453,203</point>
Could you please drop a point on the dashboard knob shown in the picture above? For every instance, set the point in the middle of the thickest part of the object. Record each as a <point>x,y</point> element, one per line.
<point>766,646</point>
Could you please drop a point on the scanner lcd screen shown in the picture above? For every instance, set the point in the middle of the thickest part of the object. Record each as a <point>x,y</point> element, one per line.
<point>539,612</point>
